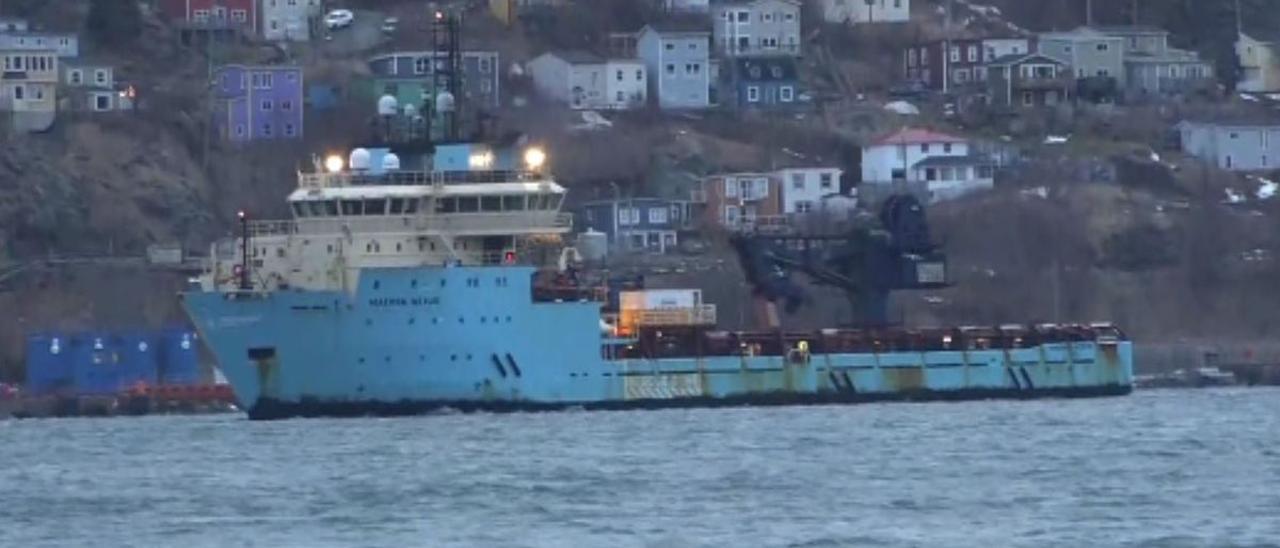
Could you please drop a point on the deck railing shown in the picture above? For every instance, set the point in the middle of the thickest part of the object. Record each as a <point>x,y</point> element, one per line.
<point>456,223</point>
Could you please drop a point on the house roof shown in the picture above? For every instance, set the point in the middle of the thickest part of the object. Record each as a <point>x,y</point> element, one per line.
<point>681,25</point>
<point>1079,33</point>
<point>765,69</point>
<point>1019,58</point>
<point>1129,29</point>
<point>577,57</point>
<point>1264,35</point>
<point>1173,55</point>
<point>915,136</point>
<point>953,161</point>
<point>1232,120</point>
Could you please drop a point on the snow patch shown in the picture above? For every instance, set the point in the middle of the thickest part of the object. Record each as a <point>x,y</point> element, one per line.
<point>1233,196</point>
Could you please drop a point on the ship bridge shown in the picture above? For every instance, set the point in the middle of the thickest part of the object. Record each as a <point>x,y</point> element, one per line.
<point>346,220</point>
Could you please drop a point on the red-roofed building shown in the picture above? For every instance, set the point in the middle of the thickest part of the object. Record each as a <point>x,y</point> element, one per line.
<point>212,14</point>
<point>937,163</point>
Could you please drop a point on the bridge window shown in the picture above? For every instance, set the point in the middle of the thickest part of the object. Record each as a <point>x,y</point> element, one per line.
<point>411,206</point>
<point>298,209</point>
<point>513,203</point>
<point>397,206</point>
<point>490,204</point>
<point>468,204</point>
<point>352,207</point>
<point>447,205</point>
<point>375,207</point>
<point>317,209</point>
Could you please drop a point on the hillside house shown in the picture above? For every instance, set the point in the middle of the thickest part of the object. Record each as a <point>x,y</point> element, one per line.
<point>762,83</point>
<point>11,24</point>
<point>678,59</point>
<point>739,201</point>
<point>1259,55</point>
<point>586,81</point>
<point>756,28</point>
<point>1152,67</point>
<point>290,20</point>
<point>90,86</point>
<point>686,6</point>
<point>804,188</point>
<point>256,103</point>
<point>212,18</point>
<point>28,89</point>
<point>407,76</point>
<point>1087,53</point>
<point>1028,80</point>
<point>637,224</point>
<point>1243,146</point>
<point>940,164</point>
<point>960,64</point>
<point>861,11</point>
<point>64,45</point>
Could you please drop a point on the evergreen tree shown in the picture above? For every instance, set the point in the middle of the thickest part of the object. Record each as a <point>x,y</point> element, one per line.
<point>114,21</point>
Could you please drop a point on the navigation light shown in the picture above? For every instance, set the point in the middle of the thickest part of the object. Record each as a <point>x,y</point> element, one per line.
<point>333,163</point>
<point>534,158</point>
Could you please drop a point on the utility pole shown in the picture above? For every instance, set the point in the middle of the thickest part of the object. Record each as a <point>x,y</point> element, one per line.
<point>1239,21</point>
<point>1088,12</point>
<point>946,49</point>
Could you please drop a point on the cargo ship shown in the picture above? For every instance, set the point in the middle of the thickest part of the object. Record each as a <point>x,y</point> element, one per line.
<point>404,284</point>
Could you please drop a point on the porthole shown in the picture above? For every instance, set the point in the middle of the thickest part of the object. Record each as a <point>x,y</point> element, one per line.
<point>377,284</point>
<point>413,284</point>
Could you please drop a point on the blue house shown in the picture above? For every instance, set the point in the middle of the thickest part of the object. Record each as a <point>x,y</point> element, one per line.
<point>767,83</point>
<point>637,224</point>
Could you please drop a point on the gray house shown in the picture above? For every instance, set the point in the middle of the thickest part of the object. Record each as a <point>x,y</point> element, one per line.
<point>1087,53</point>
<point>1152,67</point>
<point>1232,146</point>
<point>755,28</point>
<point>678,58</point>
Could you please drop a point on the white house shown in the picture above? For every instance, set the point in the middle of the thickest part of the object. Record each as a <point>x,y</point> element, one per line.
<point>585,81</point>
<point>859,11</point>
<point>1259,63</point>
<point>752,28</point>
<point>626,84</point>
<point>942,164</point>
<point>803,189</point>
<point>687,6</point>
<point>64,45</point>
<point>289,20</point>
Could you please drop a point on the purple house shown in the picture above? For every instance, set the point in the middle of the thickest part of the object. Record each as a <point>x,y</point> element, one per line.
<point>258,102</point>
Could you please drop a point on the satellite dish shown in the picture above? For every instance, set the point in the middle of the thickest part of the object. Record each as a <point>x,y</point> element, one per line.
<point>410,110</point>
<point>359,160</point>
<point>391,162</point>
<point>388,105</point>
<point>445,102</point>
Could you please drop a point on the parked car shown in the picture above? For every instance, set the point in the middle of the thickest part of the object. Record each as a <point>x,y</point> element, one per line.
<point>337,19</point>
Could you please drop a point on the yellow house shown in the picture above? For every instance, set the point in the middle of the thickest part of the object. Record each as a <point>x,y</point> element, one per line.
<point>28,88</point>
<point>1259,63</point>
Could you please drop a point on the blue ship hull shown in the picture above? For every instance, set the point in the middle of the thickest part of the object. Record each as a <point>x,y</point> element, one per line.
<point>411,340</point>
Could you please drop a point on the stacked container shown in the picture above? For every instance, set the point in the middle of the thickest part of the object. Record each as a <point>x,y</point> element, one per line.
<point>139,360</point>
<point>49,368</point>
<point>179,364</point>
<point>96,364</point>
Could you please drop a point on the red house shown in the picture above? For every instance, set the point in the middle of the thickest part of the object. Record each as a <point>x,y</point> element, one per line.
<point>212,14</point>
<point>958,64</point>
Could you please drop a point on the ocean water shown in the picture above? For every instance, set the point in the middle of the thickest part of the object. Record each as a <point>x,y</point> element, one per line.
<point>1159,468</point>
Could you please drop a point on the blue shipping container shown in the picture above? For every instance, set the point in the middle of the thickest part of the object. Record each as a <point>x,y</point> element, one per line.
<point>48,363</point>
<point>96,363</point>
<point>139,359</point>
<point>179,364</point>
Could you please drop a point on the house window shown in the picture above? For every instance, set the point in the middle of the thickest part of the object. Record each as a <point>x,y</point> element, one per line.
<point>639,75</point>
<point>263,80</point>
<point>797,181</point>
<point>200,15</point>
<point>1229,163</point>
<point>266,129</point>
<point>671,68</point>
<point>239,15</point>
<point>826,181</point>
<point>618,76</point>
<point>420,65</point>
<point>486,86</point>
<point>743,16</point>
<point>1027,98</point>
<point>955,54</point>
<point>930,174</point>
<point>286,105</point>
<point>101,102</point>
<point>267,105</point>
<point>924,148</point>
<point>19,92</point>
<point>912,57</point>
<point>485,65</point>
<point>946,148</point>
<point>804,206</point>
<point>77,77</point>
<point>100,77</point>
<point>961,75</point>
<point>657,215</point>
<point>621,97</point>
<point>753,94</point>
<point>732,215</point>
<point>239,130</point>
<point>669,46</point>
<point>973,54</point>
<point>786,94</point>
<point>1102,47</point>
<point>730,188</point>
<point>290,130</point>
